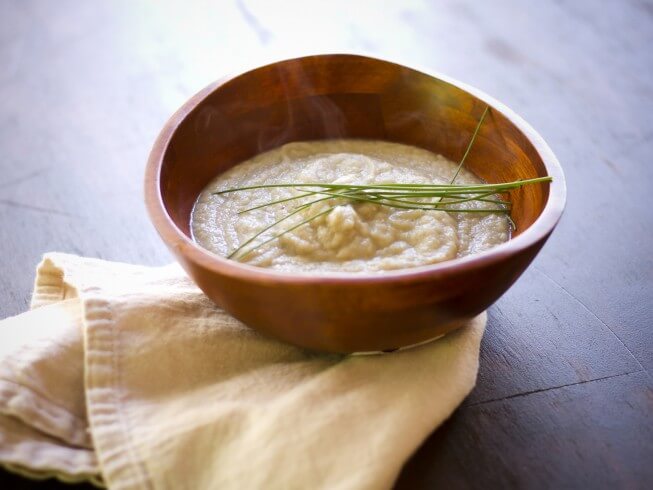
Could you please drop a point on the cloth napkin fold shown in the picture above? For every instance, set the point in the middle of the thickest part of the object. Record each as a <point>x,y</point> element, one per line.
<point>129,377</point>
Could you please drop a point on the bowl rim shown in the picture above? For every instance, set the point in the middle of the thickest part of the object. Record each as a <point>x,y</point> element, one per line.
<point>176,239</point>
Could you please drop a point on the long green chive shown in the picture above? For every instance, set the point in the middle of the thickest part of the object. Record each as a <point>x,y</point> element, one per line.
<point>471,143</point>
<point>395,195</point>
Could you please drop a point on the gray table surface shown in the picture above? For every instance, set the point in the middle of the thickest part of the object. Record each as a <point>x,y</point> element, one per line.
<point>565,394</point>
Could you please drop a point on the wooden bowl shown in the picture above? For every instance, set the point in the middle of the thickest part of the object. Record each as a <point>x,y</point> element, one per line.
<point>335,96</point>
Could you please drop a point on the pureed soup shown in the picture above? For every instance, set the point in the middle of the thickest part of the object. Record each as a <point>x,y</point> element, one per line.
<point>353,236</point>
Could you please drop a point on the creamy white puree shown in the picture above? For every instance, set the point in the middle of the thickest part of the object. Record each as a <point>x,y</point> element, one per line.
<point>354,237</point>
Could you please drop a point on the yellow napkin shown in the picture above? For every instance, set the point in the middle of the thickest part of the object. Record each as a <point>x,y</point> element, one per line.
<point>130,377</point>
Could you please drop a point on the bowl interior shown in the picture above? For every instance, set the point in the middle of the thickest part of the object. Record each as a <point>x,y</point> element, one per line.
<point>342,96</point>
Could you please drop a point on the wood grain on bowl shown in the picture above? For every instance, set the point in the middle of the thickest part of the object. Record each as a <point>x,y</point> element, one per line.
<point>348,96</point>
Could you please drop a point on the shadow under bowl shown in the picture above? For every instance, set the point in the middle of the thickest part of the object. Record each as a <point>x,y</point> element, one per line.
<point>350,96</point>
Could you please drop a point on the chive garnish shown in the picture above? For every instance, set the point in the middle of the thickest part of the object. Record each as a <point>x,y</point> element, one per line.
<point>400,196</point>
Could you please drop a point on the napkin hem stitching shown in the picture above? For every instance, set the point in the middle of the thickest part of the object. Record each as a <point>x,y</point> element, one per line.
<point>56,274</point>
<point>100,327</point>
